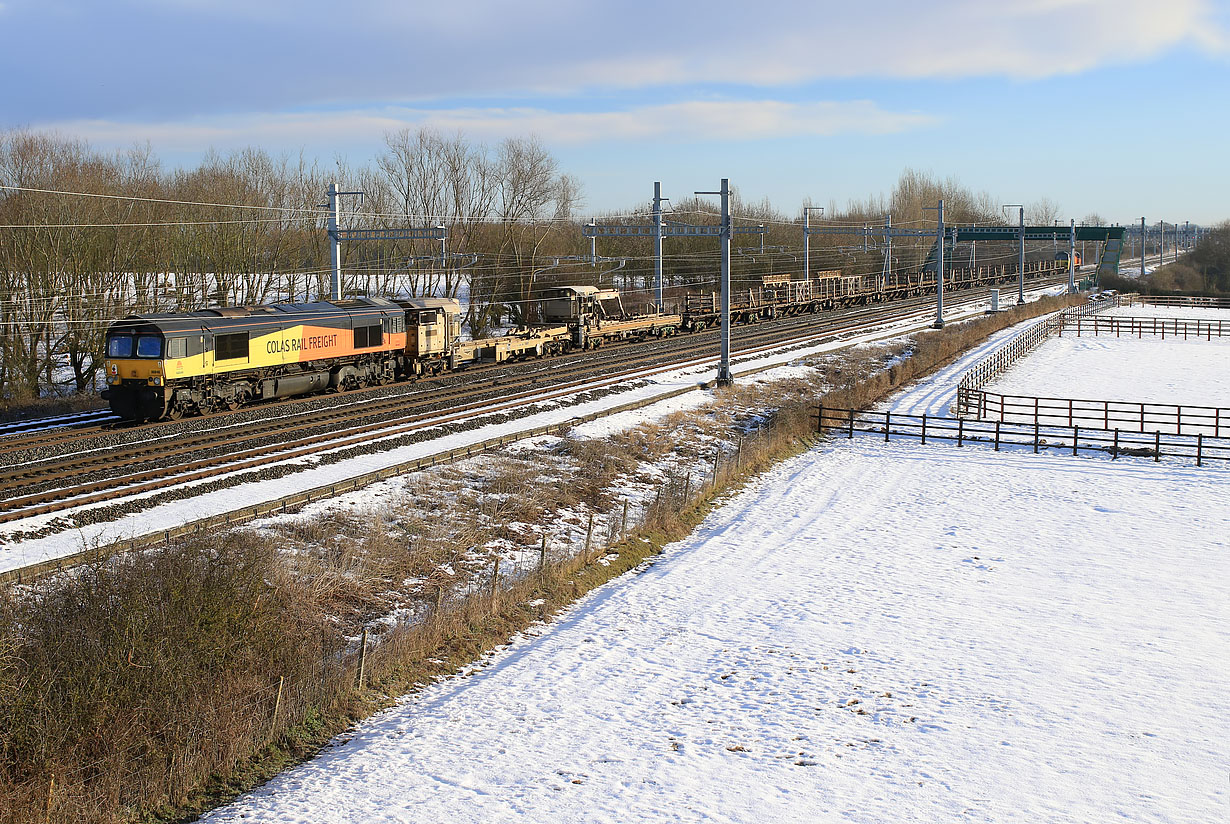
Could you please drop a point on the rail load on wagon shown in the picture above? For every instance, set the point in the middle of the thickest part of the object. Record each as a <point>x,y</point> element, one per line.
<point>595,316</point>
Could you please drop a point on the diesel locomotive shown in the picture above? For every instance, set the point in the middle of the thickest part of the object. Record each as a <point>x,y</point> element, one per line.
<point>173,364</point>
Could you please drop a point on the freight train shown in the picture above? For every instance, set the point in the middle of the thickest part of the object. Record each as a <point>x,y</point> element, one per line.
<point>170,365</point>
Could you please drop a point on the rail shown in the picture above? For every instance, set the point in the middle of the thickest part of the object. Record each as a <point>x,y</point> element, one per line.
<point>1001,435</point>
<point>1185,328</point>
<point>1128,416</point>
<point>1024,342</point>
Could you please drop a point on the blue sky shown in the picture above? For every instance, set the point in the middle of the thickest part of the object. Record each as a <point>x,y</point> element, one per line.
<point>1113,106</point>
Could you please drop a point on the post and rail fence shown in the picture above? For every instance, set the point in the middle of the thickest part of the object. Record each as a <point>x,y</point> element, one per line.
<point>1186,328</point>
<point>1193,301</point>
<point>1127,416</point>
<point>999,435</point>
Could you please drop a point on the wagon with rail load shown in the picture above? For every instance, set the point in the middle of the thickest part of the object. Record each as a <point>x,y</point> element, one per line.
<point>596,316</point>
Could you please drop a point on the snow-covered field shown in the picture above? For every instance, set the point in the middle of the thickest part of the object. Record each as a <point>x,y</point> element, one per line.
<point>1149,369</point>
<point>872,632</point>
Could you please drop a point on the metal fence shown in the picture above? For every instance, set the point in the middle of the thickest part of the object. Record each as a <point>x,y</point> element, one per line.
<point>1128,416</point>
<point>1026,341</point>
<point>1000,435</point>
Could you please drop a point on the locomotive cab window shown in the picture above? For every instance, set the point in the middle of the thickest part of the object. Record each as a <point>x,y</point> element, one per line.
<point>367,336</point>
<point>119,346</point>
<point>149,346</point>
<point>231,347</point>
<point>177,348</point>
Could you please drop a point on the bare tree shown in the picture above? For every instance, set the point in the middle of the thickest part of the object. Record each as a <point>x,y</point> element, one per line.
<point>533,199</point>
<point>1042,212</point>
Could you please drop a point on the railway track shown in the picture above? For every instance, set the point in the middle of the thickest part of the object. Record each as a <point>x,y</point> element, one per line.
<point>47,437</point>
<point>60,431</point>
<point>166,456</point>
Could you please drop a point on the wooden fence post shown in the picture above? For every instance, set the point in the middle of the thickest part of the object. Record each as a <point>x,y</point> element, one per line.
<point>1114,452</point>
<point>589,534</point>
<point>1199,447</point>
<point>362,674</point>
<point>1035,436</point>
<point>495,585</point>
<point>717,456</point>
<point>277,705</point>
<point>887,425</point>
<point>997,423</point>
<point>1075,434</point>
<point>851,435</point>
<point>623,529</point>
<point>1157,445</point>
<point>960,431</point>
<point>542,550</point>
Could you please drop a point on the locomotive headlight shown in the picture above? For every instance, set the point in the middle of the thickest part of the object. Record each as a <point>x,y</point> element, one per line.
<point>113,379</point>
<point>155,381</point>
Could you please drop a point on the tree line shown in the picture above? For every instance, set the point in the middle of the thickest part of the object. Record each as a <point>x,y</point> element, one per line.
<point>87,237</point>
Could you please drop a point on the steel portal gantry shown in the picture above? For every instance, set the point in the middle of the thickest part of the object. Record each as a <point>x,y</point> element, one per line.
<point>658,230</point>
<point>337,235</point>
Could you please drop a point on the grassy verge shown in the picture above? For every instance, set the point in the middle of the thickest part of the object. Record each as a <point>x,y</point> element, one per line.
<point>156,685</point>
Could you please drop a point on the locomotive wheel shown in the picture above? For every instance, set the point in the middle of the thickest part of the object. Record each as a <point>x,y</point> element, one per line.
<point>175,413</point>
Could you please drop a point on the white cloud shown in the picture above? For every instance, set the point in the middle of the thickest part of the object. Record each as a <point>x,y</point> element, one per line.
<point>1024,39</point>
<point>687,121</point>
<point>184,58</point>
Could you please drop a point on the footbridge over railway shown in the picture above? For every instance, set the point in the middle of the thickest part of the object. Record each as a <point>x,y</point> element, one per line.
<point>1111,238</point>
